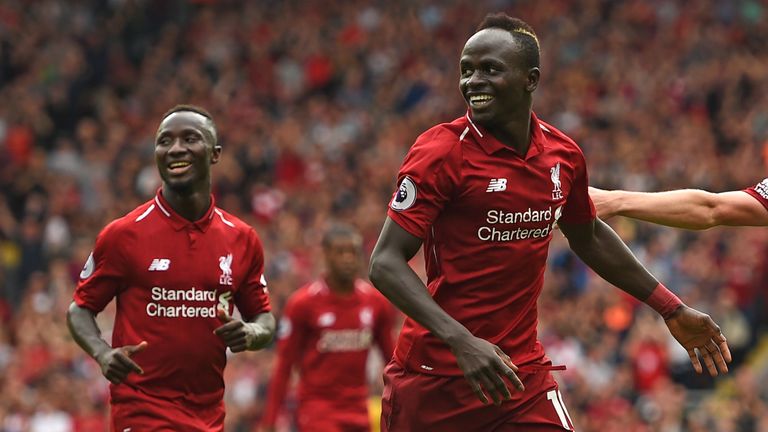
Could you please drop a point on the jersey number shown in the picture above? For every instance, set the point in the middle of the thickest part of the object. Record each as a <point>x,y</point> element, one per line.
<point>562,412</point>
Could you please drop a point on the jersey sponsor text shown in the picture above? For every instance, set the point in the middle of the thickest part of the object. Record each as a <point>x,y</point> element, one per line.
<point>157,309</point>
<point>503,217</point>
<point>345,340</point>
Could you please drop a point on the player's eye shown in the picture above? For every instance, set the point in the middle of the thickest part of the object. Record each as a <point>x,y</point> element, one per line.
<point>191,139</point>
<point>466,73</point>
<point>164,141</point>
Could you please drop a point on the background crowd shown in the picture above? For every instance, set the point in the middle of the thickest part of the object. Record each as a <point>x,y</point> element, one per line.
<point>316,103</point>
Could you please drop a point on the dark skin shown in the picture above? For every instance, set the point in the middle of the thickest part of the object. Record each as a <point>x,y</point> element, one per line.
<point>498,86</point>
<point>342,261</point>
<point>185,149</point>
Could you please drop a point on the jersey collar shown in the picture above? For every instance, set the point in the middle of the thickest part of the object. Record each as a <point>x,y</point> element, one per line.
<point>177,221</point>
<point>491,145</point>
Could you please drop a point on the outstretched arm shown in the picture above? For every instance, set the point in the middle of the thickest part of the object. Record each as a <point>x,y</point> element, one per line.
<point>481,361</point>
<point>685,208</point>
<point>602,250</point>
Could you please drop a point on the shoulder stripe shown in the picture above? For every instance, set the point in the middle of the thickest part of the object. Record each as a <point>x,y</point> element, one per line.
<point>218,212</point>
<point>544,128</point>
<point>463,134</point>
<point>316,288</point>
<point>473,125</point>
<point>162,209</point>
<point>146,212</point>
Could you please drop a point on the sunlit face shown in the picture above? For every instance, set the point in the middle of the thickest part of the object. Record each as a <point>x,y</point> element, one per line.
<point>184,150</point>
<point>495,79</point>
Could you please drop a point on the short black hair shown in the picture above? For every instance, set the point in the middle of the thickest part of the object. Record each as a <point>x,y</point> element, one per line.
<point>339,230</point>
<point>198,110</point>
<point>520,29</point>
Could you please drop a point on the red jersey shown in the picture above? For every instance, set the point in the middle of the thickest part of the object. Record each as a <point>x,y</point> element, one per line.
<point>169,275</point>
<point>759,192</point>
<point>486,215</point>
<point>329,336</point>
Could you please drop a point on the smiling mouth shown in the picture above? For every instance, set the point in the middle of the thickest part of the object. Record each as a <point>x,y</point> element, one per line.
<point>480,101</point>
<point>178,167</point>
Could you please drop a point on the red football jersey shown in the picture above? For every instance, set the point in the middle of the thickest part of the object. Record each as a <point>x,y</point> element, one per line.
<point>329,336</point>
<point>169,275</point>
<point>486,216</point>
<point>759,192</point>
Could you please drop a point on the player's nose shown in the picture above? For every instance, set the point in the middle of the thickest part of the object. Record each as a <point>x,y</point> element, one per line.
<point>176,147</point>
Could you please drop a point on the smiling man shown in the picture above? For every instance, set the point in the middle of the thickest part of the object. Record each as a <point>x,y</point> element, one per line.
<point>482,194</point>
<point>177,265</point>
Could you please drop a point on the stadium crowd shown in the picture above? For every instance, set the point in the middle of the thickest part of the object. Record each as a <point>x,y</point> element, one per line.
<point>316,102</point>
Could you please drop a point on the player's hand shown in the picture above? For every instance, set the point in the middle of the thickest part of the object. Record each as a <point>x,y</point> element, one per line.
<point>241,336</point>
<point>116,363</point>
<point>484,366</point>
<point>696,331</point>
<point>605,206</point>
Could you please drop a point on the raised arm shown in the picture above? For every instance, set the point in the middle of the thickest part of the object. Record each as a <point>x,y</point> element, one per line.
<point>686,208</point>
<point>603,251</point>
<point>481,361</point>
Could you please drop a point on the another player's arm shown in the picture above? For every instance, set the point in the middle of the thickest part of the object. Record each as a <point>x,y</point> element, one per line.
<point>481,361</point>
<point>115,363</point>
<point>385,324</point>
<point>291,341</point>
<point>602,250</point>
<point>686,208</point>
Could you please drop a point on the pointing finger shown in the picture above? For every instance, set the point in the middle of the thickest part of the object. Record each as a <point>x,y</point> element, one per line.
<point>130,364</point>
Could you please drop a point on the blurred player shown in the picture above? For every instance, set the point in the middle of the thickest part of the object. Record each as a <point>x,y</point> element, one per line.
<point>687,208</point>
<point>177,266</point>
<point>328,328</point>
<point>483,194</point>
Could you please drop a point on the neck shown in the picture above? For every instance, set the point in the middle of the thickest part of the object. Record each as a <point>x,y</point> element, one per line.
<point>515,131</point>
<point>191,205</point>
<point>340,285</point>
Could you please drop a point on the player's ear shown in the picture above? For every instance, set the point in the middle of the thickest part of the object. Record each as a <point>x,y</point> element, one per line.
<point>533,79</point>
<point>215,154</point>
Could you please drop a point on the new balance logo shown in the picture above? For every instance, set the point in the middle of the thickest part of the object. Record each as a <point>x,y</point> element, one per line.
<point>497,185</point>
<point>159,264</point>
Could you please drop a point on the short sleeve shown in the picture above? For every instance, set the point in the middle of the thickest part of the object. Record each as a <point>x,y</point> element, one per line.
<point>427,179</point>
<point>102,275</point>
<point>759,192</point>
<point>579,208</point>
<point>252,297</point>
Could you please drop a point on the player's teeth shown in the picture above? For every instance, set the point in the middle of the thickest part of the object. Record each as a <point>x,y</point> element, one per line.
<point>480,98</point>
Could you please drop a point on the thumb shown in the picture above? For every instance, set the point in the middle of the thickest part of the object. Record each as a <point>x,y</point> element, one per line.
<point>133,349</point>
<point>223,315</point>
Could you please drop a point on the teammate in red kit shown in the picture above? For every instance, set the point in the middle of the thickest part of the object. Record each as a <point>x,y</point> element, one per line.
<point>687,208</point>
<point>483,194</point>
<point>177,265</point>
<point>328,328</point>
